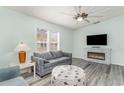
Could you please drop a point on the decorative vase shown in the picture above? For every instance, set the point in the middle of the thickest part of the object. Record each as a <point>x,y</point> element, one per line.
<point>22,57</point>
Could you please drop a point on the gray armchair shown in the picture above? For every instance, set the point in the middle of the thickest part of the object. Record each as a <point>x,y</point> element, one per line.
<point>11,77</point>
<point>45,62</point>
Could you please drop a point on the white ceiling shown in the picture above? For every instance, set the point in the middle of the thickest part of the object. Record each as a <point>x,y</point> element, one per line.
<point>61,15</point>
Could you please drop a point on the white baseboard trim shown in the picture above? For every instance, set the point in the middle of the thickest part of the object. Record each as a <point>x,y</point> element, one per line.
<point>110,64</point>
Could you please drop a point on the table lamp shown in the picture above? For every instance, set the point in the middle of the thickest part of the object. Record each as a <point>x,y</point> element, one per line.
<point>22,48</point>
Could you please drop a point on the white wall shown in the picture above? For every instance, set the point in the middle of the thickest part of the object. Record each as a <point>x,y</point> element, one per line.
<point>16,27</point>
<point>115,30</point>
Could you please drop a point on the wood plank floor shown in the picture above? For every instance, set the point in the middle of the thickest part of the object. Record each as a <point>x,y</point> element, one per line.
<point>96,74</point>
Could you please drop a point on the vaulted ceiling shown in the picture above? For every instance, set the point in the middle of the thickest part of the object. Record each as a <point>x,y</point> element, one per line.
<point>63,15</point>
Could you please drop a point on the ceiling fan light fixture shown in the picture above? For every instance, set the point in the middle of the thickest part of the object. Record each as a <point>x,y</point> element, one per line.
<point>79,19</point>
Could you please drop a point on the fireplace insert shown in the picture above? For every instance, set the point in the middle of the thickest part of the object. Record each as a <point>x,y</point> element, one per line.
<point>96,55</point>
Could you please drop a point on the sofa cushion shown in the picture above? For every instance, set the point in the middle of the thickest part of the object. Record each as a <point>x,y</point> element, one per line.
<point>57,54</point>
<point>58,59</point>
<point>18,81</point>
<point>46,55</point>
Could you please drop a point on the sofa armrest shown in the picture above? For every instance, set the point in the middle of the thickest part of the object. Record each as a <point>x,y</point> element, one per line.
<point>9,73</point>
<point>39,61</point>
<point>67,54</point>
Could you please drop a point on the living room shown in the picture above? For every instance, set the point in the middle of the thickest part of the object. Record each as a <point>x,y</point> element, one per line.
<point>27,25</point>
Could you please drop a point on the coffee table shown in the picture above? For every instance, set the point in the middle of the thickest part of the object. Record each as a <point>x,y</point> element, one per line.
<point>68,75</point>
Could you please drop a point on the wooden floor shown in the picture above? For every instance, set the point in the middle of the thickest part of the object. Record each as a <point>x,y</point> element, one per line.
<point>96,74</point>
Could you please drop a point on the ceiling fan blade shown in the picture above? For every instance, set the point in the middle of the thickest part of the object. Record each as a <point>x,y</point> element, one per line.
<point>79,22</point>
<point>95,16</point>
<point>76,9</point>
<point>68,14</point>
<point>87,20</point>
<point>79,9</point>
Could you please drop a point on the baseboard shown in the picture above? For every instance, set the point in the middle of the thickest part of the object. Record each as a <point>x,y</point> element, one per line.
<point>118,64</point>
<point>96,62</point>
<point>77,57</point>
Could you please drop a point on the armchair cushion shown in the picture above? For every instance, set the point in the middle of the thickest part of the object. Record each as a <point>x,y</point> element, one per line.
<point>18,81</point>
<point>8,73</point>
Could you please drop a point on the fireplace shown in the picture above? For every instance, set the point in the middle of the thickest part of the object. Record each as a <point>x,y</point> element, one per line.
<point>99,55</point>
<point>96,55</point>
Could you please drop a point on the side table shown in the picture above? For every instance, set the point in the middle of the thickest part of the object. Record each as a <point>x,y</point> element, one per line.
<point>29,65</point>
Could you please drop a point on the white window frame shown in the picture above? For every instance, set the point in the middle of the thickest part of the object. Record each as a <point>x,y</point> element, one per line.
<point>48,40</point>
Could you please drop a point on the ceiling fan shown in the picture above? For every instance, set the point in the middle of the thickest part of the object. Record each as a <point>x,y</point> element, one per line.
<point>81,15</point>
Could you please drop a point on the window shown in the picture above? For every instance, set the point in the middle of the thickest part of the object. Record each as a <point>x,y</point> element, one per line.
<point>42,41</point>
<point>54,41</point>
<point>47,41</point>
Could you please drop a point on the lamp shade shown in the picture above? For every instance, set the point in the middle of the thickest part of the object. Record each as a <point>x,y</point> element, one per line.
<point>22,47</point>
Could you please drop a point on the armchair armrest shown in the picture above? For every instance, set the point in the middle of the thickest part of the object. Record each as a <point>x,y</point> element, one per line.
<point>9,73</point>
<point>67,54</point>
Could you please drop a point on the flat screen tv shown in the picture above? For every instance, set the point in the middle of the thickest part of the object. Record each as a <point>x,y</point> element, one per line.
<point>100,39</point>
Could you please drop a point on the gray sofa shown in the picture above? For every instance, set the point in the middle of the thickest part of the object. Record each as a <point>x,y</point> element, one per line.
<point>11,77</point>
<point>45,62</point>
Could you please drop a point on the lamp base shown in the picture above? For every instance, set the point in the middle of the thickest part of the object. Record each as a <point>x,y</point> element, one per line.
<point>22,57</point>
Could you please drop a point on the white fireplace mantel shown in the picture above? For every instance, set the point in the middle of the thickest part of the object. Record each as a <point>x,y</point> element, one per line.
<point>105,50</point>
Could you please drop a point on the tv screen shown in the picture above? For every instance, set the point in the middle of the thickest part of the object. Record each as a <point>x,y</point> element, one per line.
<point>97,39</point>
